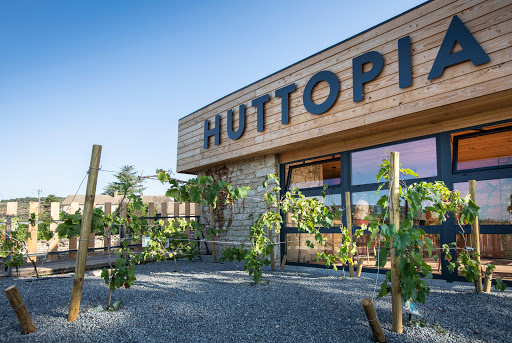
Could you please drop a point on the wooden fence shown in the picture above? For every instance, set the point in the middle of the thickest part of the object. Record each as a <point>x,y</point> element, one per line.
<point>166,211</point>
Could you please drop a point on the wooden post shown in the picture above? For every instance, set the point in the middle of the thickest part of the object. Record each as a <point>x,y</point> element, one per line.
<point>212,225</point>
<point>73,242</point>
<point>164,211</point>
<point>475,236</point>
<point>122,229</point>
<point>271,238</point>
<point>283,263</point>
<point>54,245</point>
<point>187,218</point>
<point>151,213</point>
<point>373,320</point>
<point>32,230</point>
<point>394,208</point>
<point>487,283</point>
<point>85,229</point>
<point>360,264</point>
<point>20,309</point>
<point>11,210</point>
<point>106,237</point>
<point>348,213</point>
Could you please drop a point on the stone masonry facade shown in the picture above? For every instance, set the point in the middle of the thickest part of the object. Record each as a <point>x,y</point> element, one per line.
<point>236,221</point>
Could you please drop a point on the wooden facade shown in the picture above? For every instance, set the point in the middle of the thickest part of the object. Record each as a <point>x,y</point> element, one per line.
<point>464,95</point>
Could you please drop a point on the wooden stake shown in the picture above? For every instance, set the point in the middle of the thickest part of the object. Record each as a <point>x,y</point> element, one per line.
<point>271,238</point>
<point>487,283</point>
<point>212,225</point>
<point>394,208</point>
<point>187,218</point>
<point>348,211</point>
<point>20,309</point>
<point>475,236</point>
<point>106,238</point>
<point>54,246</point>
<point>284,262</point>
<point>85,230</point>
<point>360,264</point>
<point>373,320</point>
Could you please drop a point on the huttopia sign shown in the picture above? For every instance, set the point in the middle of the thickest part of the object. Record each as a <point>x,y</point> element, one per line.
<point>456,33</point>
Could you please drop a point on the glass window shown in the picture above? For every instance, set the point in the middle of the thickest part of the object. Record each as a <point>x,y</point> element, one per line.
<point>314,174</point>
<point>484,150</point>
<point>365,203</point>
<point>494,198</point>
<point>329,200</point>
<point>419,156</point>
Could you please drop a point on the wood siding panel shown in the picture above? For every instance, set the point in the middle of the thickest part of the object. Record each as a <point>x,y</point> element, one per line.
<point>489,21</point>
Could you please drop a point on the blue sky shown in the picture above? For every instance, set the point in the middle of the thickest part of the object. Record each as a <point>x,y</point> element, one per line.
<point>121,74</point>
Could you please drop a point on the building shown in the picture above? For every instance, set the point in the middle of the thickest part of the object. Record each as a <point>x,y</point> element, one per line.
<point>101,199</point>
<point>434,83</point>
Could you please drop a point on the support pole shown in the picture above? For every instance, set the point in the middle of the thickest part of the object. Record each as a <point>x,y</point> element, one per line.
<point>360,264</point>
<point>475,236</point>
<point>348,212</point>
<point>394,204</point>
<point>106,237</point>
<point>32,231</point>
<point>85,230</point>
<point>373,320</point>
<point>212,225</point>
<point>20,309</point>
<point>54,246</point>
<point>271,238</point>
<point>73,242</point>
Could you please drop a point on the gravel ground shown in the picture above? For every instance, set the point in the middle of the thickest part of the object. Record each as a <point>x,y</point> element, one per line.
<point>216,302</point>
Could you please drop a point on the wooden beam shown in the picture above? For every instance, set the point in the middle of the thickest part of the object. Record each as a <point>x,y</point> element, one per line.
<point>394,208</point>
<point>475,237</point>
<point>348,214</point>
<point>85,230</point>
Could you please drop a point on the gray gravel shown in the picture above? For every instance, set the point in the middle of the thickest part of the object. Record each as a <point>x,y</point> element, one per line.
<point>216,302</point>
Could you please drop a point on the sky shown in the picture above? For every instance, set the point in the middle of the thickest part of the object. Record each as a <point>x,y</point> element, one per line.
<point>120,73</point>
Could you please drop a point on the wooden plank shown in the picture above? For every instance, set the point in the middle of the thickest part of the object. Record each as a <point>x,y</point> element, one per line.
<point>54,242</point>
<point>390,96</point>
<point>32,231</point>
<point>471,13</point>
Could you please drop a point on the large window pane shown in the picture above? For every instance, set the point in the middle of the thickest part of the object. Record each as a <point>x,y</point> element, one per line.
<point>494,198</point>
<point>315,174</point>
<point>419,156</point>
<point>330,200</point>
<point>486,150</point>
<point>365,203</point>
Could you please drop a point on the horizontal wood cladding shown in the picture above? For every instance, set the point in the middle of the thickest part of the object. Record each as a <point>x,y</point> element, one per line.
<point>490,23</point>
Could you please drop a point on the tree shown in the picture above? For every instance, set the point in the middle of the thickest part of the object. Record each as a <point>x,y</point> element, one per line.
<point>128,174</point>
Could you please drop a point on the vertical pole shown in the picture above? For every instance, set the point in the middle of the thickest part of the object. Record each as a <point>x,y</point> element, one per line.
<point>475,236</point>
<point>85,230</point>
<point>271,238</point>
<point>164,211</point>
<point>106,237</point>
<point>8,238</point>
<point>151,213</point>
<point>32,230</point>
<point>187,218</point>
<point>12,210</point>
<point>176,211</point>
<point>212,226</point>
<point>348,214</point>
<point>73,243</point>
<point>373,320</point>
<point>54,245</point>
<point>20,309</point>
<point>394,208</point>
<point>122,231</point>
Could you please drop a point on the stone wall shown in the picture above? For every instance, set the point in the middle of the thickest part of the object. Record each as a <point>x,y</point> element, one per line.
<point>235,221</point>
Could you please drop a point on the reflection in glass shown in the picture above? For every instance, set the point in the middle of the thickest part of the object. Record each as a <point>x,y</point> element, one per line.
<point>315,175</point>
<point>365,203</point>
<point>494,197</point>
<point>330,200</point>
<point>419,156</point>
<point>298,251</point>
<point>489,150</point>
